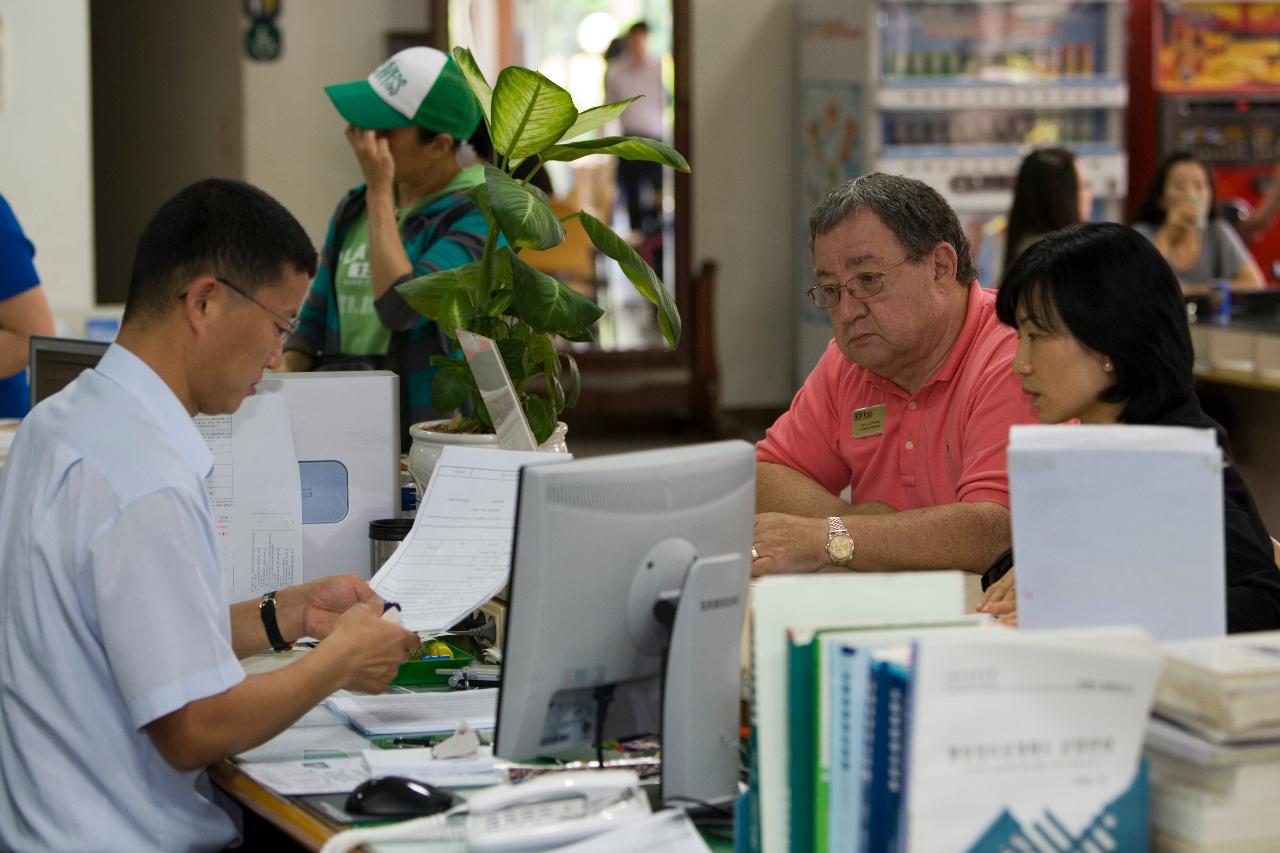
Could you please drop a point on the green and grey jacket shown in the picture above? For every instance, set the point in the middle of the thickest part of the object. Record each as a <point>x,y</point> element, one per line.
<point>449,232</point>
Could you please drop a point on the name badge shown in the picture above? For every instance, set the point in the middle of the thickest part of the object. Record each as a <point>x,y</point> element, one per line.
<point>868,421</point>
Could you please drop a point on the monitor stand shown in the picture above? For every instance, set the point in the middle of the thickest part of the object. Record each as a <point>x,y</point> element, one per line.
<point>702,684</point>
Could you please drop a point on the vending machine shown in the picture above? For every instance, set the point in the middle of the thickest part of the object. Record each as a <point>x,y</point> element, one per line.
<point>955,94</point>
<point>1217,80</point>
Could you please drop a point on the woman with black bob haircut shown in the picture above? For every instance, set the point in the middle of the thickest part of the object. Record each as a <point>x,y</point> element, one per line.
<point>1103,339</point>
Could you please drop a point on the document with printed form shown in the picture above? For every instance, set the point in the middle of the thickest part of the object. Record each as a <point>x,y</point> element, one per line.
<point>256,493</point>
<point>458,554</point>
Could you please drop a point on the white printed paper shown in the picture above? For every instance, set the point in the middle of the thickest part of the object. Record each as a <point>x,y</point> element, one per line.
<point>256,495</point>
<point>308,743</point>
<point>317,776</point>
<point>457,556</point>
<point>417,713</point>
<point>420,764</point>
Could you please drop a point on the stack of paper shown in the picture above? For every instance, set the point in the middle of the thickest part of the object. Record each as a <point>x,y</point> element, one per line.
<point>1215,770</point>
<point>457,556</point>
<point>1103,516</point>
<point>417,713</point>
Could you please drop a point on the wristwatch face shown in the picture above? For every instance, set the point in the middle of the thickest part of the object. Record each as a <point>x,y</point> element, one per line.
<point>840,548</point>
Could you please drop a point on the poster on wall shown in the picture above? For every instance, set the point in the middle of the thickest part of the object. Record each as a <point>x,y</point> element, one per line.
<point>830,153</point>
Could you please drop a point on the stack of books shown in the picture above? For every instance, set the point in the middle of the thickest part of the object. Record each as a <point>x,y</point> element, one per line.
<point>1214,746</point>
<point>930,730</point>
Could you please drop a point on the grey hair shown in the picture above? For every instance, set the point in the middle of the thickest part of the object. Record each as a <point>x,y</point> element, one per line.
<point>917,215</point>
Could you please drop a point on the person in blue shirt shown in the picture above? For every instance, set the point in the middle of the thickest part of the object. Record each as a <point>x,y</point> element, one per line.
<point>24,312</point>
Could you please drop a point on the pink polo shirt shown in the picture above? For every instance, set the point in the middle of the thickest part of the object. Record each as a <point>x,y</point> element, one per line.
<point>941,445</point>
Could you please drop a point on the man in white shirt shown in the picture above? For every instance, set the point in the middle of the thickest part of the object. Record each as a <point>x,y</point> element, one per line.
<point>119,671</point>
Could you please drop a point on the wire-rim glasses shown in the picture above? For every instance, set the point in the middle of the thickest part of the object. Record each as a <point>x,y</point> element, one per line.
<point>863,285</point>
<point>285,326</point>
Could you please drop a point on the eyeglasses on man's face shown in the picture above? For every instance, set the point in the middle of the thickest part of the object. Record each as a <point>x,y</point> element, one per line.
<point>863,285</point>
<point>285,326</point>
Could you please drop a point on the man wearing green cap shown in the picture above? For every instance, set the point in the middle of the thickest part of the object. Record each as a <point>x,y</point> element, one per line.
<point>411,217</point>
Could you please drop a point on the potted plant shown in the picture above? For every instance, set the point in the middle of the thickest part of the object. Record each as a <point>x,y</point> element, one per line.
<point>503,297</point>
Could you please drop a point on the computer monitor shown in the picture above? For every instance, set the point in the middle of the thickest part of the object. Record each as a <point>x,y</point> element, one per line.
<point>55,362</point>
<point>629,585</point>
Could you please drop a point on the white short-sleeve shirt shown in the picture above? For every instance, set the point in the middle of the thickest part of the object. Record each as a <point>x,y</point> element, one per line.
<point>112,614</point>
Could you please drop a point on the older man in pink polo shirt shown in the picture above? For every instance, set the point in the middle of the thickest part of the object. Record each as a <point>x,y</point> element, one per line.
<point>910,406</point>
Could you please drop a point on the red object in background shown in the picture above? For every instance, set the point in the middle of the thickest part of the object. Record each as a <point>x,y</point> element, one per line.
<point>1141,125</point>
<point>1248,183</point>
<point>1233,129</point>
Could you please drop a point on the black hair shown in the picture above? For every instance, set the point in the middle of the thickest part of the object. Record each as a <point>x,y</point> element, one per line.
<point>638,27</point>
<point>482,144</point>
<point>919,218</point>
<point>1149,209</point>
<point>1046,197</point>
<point>1108,287</point>
<point>217,227</point>
<point>425,136</point>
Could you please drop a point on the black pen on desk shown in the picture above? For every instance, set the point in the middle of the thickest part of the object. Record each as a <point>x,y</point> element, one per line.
<point>413,741</point>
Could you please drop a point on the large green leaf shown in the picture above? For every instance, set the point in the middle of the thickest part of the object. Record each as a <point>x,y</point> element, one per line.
<point>638,272</point>
<point>572,383</point>
<point>512,352</point>
<point>448,296</point>
<point>542,417</point>
<point>539,352</point>
<point>521,212</point>
<point>548,305</point>
<point>589,120</point>
<point>626,147</point>
<point>529,113</point>
<point>475,79</point>
<point>452,385</point>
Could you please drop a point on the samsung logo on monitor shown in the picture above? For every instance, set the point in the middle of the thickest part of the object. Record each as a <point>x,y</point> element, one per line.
<point>718,603</point>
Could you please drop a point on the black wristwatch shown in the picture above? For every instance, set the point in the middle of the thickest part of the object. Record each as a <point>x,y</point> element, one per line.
<point>267,610</point>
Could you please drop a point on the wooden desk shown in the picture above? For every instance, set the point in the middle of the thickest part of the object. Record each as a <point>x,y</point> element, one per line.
<point>301,824</point>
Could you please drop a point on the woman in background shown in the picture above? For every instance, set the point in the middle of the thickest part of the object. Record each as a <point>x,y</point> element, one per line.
<point>1179,214</point>
<point>1103,339</point>
<point>1050,193</point>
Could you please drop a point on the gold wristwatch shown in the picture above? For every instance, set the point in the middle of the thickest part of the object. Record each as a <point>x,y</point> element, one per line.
<point>839,542</point>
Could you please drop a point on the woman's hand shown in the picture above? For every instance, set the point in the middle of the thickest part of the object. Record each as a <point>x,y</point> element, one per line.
<point>374,154</point>
<point>1001,601</point>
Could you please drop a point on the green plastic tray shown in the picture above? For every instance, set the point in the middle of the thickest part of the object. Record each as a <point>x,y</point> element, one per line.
<point>427,671</point>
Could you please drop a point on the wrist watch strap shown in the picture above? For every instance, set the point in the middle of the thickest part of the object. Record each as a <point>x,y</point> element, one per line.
<point>267,610</point>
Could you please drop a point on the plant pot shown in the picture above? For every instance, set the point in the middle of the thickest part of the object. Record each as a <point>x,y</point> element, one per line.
<point>428,442</point>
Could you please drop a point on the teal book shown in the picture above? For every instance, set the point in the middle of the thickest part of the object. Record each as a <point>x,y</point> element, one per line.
<point>802,747</point>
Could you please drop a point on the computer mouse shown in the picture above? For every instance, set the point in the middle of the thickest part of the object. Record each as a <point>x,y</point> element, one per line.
<point>396,796</point>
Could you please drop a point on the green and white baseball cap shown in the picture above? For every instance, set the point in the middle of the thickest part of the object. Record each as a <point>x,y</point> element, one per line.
<point>420,85</point>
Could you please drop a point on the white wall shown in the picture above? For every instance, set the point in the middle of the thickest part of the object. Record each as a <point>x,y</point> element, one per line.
<point>45,140</point>
<point>294,147</point>
<point>743,84</point>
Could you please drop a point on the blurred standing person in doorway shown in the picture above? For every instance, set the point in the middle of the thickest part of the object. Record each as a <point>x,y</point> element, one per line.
<point>634,72</point>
